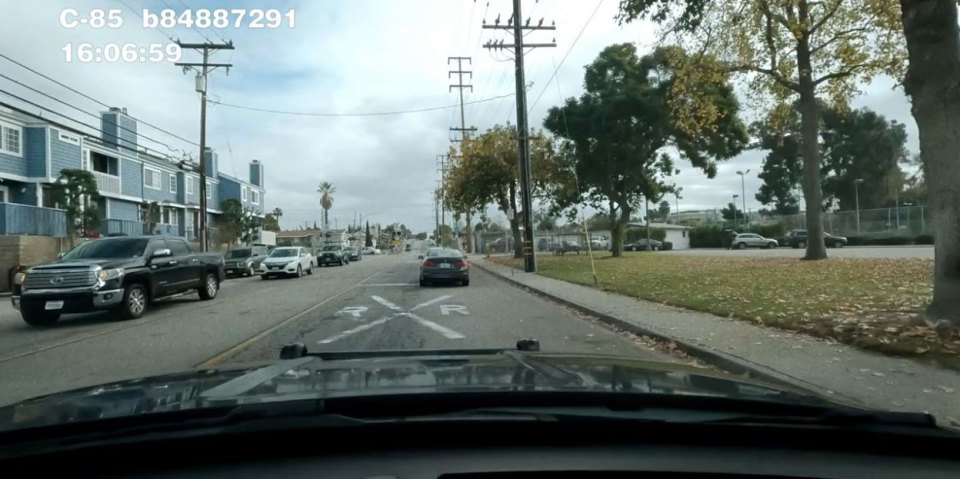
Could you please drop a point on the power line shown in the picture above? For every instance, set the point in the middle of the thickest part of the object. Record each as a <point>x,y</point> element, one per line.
<point>575,40</point>
<point>88,97</point>
<point>379,113</point>
<point>81,110</point>
<point>160,31</point>
<point>75,130</point>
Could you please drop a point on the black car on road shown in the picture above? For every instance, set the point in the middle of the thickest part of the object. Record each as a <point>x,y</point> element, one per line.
<point>124,274</point>
<point>243,261</point>
<point>798,239</point>
<point>444,264</point>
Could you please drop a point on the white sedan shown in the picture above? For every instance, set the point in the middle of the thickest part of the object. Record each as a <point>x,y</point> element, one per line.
<point>371,250</point>
<point>287,261</point>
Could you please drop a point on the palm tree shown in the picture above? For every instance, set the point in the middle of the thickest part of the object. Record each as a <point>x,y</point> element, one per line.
<point>326,191</point>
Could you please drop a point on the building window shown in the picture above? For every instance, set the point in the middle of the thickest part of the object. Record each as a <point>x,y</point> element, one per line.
<point>254,196</point>
<point>173,183</point>
<point>104,164</point>
<point>151,178</point>
<point>189,182</point>
<point>243,193</point>
<point>209,190</point>
<point>170,216</point>
<point>10,140</point>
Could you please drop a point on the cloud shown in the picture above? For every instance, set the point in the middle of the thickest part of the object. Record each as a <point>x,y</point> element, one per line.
<point>356,56</point>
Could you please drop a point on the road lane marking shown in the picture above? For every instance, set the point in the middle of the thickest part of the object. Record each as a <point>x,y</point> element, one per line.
<point>445,309</point>
<point>358,329</point>
<point>389,284</point>
<point>386,303</point>
<point>432,301</point>
<point>445,331</point>
<point>221,357</point>
<point>354,311</point>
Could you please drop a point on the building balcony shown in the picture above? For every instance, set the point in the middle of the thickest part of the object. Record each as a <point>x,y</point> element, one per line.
<point>18,219</point>
<point>107,183</point>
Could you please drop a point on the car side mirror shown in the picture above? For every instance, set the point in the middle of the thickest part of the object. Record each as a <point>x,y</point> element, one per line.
<point>420,257</point>
<point>160,253</point>
<point>60,255</point>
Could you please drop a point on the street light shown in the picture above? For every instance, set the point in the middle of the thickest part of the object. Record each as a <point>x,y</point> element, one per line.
<point>743,190</point>
<point>856,200</point>
<point>735,222</point>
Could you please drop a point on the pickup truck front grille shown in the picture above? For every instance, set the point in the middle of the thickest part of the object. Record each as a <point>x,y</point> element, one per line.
<point>53,279</point>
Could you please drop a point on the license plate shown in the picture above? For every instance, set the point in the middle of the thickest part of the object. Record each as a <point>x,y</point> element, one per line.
<point>444,265</point>
<point>53,305</point>
<point>229,271</point>
<point>275,267</point>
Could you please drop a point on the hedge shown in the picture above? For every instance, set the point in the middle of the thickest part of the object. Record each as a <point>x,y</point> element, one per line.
<point>667,245</point>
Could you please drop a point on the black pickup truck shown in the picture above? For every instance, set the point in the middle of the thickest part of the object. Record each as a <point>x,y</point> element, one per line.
<point>123,274</point>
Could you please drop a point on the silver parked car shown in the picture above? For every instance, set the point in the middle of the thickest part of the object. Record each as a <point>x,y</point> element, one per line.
<point>751,240</point>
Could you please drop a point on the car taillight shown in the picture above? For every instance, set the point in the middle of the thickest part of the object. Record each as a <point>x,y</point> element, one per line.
<point>462,264</point>
<point>429,263</point>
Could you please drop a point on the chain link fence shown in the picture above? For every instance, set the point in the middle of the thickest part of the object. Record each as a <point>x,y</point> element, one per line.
<point>903,221</point>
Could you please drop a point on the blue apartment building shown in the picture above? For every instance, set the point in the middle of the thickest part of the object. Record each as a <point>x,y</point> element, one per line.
<point>133,185</point>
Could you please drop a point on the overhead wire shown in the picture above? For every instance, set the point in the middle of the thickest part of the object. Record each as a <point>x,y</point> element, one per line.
<point>192,26</point>
<point>88,97</point>
<point>565,55</point>
<point>378,113</point>
<point>160,30</point>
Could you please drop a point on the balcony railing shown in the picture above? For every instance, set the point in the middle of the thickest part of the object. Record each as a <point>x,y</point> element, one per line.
<point>32,220</point>
<point>107,183</point>
<point>136,228</point>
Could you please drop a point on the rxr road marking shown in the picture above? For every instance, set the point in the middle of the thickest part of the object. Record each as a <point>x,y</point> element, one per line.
<point>356,311</point>
<point>446,309</point>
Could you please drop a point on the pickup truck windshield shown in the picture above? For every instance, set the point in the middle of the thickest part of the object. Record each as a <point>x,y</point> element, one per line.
<point>283,253</point>
<point>332,248</point>
<point>110,248</point>
<point>239,253</point>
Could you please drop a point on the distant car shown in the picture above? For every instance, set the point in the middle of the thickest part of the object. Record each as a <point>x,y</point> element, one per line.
<point>371,250</point>
<point>287,261</point>
<point>564,247</point>
<point>641,245</point>
<point>600,243</point>
<point>242,262</point>
<point>444,264</point>
<point>333,254</point>
<point>798,239</point>
<point>752,240</point>
<point>354,253</point>
<point>407,247</point>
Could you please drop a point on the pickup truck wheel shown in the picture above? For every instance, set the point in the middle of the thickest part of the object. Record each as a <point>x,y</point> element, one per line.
<point>134,302</point>
<point>208,290</point>
<point>35,315</point>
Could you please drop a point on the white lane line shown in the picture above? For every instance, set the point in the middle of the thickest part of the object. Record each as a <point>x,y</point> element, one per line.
<point>386,303</point>
<point>432,301</point>
<point>390,284</point>
<point>445,331</point>
<point>358,329</point>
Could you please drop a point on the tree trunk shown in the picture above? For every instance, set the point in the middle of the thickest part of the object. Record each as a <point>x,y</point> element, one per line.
<point>933,84</point>
<point>616,239</point>
<point>616,232</point>
<point>809,129</point>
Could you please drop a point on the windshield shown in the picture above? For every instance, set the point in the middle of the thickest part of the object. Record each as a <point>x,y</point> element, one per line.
<point>739,177</point>
<point>105,249</point>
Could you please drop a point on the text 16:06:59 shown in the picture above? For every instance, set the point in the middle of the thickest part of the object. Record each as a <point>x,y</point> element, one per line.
<point>122,52</point>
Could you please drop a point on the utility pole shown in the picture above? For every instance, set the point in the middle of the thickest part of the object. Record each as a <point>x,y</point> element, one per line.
<point>436,212</point>
<point>442,169</point>
<point>460,72</point>
<point>523,130</point>
<point>202,70</point>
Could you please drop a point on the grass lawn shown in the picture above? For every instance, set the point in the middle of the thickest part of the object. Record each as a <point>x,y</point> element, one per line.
<point>870,303</point>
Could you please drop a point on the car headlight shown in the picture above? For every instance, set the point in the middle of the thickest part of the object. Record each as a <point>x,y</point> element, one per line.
<point>108,274</point>
<point>19,278</point>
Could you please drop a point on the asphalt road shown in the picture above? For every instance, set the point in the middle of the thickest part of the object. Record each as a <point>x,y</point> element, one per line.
<point>372,304</point>
<point>846,252</point>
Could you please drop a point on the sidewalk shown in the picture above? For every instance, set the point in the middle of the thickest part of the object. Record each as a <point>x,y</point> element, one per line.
<point>814,364</point>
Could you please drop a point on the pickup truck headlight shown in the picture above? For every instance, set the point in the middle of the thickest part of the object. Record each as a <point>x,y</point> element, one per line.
<point>108,274</point>
<point>19,278</point>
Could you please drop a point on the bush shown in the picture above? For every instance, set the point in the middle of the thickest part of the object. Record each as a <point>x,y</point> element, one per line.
<point>923,239</point>
<point>635,234</point>
<point>707,237</point>
<point>667,246</point>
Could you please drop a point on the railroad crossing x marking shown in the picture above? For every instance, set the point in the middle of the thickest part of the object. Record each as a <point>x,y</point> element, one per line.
<point>355,312</point>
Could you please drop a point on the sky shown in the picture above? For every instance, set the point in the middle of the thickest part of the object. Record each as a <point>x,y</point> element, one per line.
<point>347,58</point>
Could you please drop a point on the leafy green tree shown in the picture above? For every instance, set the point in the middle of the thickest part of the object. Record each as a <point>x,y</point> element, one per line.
<point>622,128</point>
<point>731,213</point>
<point>782,166</point>
<point>237,223</point>
<point>270,223</point>
<point>781,50</point>
<point>76,192</point>
<point>933,46</point>
<point>663,210</point>
<point>544,221</point>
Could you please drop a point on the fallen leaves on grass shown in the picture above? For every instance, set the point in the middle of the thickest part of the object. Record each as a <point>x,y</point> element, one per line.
<point>874,304</point>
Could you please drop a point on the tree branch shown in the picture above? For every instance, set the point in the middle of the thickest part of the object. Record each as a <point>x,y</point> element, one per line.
<point>768,35</point>
<point>840,74</point>
<point>765,7</point>
<point>836,37</point>
<point>826,17</point>
<point>777,77</point>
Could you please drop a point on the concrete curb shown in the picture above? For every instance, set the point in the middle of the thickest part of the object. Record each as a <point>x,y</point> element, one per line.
<point>726,362</point>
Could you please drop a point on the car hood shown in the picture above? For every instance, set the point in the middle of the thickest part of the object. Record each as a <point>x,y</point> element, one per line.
<point>281,260</point>
<point>105,263</point>
<point>312,377</point>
